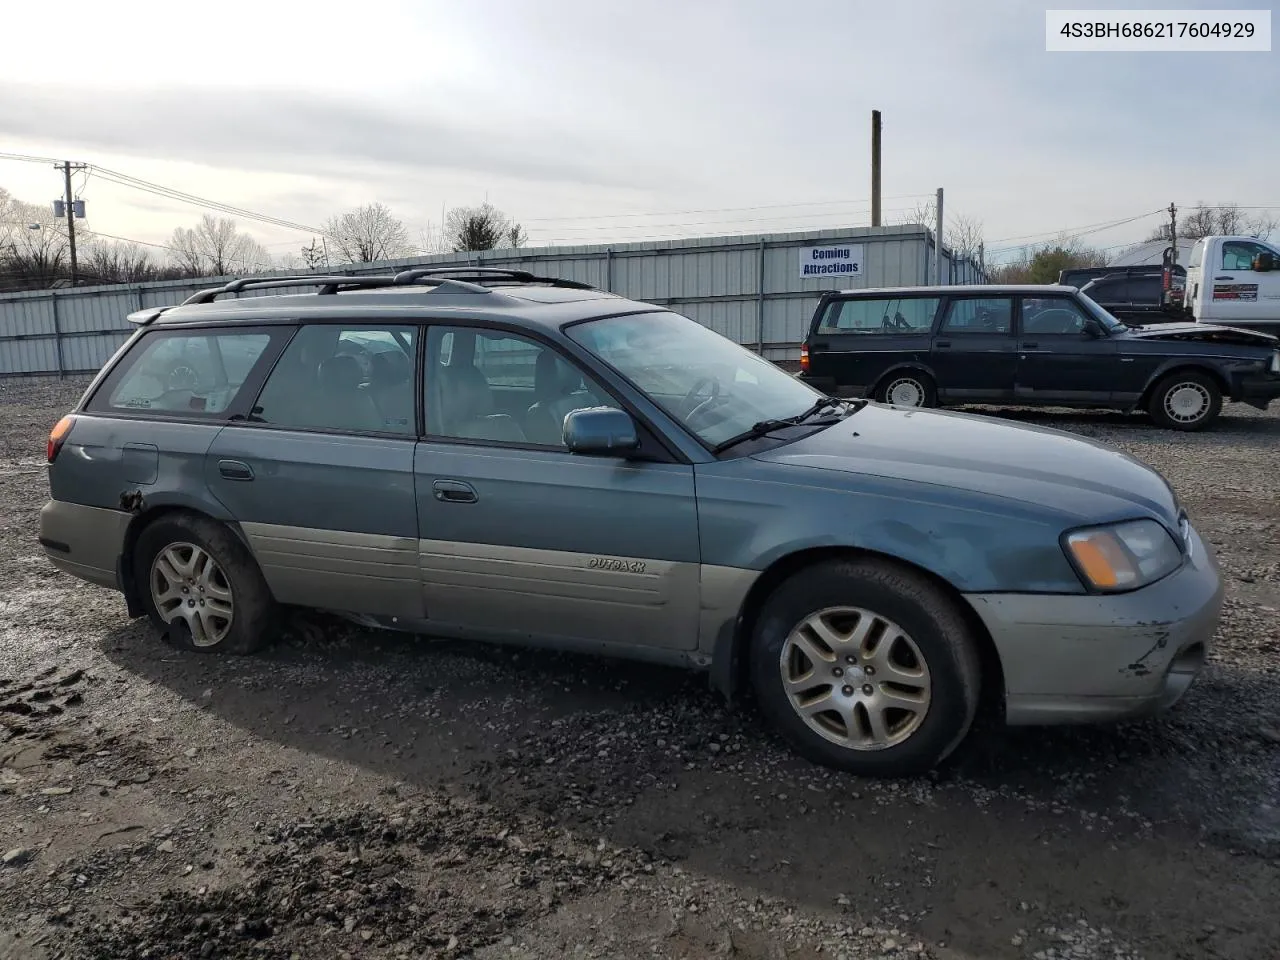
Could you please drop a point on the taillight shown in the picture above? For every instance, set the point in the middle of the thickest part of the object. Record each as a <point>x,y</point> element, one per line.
<point>804,358</point>
<point>57,435</point>
<point>1166,278</point>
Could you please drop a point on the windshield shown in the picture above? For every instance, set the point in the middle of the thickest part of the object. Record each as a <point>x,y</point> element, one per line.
<point>1101,314</point>
<point>712,385</point>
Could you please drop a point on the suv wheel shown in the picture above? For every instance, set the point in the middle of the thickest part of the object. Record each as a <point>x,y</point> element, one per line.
<point>201,586</point>
<point>866,666</point>
<point>908,389</point>
<point>1186,400</point>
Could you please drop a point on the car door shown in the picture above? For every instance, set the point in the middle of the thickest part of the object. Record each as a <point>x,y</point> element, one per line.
<point>1238,292</point>
<point>973,354</point>
<point>320,476</point>
<point>520,538</point>
<point>856,340</point>
<point>1062,357</point>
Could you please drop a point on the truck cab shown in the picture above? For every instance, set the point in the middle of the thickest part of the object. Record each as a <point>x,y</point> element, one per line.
<point>1234,281</point>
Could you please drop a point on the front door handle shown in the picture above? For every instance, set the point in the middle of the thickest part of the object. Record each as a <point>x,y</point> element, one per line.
<point>1031,345</point>
<point>1224,278</point>
<point>942,344</point>
<point>235,470</point>
<point>454,491</point>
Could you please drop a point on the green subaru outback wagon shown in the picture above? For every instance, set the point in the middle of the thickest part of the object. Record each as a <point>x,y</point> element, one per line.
<point>500,457</point>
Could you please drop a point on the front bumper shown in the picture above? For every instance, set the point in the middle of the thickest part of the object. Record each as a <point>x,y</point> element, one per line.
<point>1088,658</point>
<point>1258,391</point>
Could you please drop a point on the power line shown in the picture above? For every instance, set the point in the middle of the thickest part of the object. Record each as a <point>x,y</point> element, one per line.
<point>704,223</point>
<point>124,179</point>
<point>1079,231</point>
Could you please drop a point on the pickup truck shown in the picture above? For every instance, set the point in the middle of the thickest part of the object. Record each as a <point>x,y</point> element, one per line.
<point>1142,294</point>
<point>1235,282</point>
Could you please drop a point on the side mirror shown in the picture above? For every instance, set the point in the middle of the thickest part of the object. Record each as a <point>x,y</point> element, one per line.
<point>600,431</point>
<point>1091,330</point>
<point>1264,263</point>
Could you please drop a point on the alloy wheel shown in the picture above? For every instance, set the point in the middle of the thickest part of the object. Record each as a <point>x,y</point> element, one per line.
<point>1187,402</point>
<point>905,392</point>
<point>188,584</point>
<point>855,678</point>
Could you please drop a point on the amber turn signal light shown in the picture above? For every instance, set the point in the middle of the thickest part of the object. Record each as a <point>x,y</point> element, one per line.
<point>58,435</point>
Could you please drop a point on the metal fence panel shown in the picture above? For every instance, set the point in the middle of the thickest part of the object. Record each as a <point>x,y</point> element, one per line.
<point>748,288</point>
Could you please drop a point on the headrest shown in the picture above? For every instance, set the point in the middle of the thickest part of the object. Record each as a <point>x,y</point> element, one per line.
<point>341,372</point>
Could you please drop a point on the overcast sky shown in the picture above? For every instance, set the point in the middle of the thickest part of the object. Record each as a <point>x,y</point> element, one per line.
<point>569,114</point>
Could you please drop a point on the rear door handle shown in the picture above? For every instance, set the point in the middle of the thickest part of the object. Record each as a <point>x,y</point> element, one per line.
<point>454,491</point>
<point>1030,345</point>
<point>235,470</point>
<point>1224,278</point>
<point>942,344</point>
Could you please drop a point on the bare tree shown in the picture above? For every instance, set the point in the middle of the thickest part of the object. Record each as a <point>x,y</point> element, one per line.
<point>34,250</point>
<point>215,247</point>
<point>1226,219</point>
<point>368,233</point>
<point>118,262</point>
<point>481,228</point>
<point>964,236</point>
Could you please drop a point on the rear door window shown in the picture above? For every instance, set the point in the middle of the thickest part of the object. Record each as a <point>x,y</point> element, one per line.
<point>989,315</point>
<point>888,316</point>
<point>197,372</point>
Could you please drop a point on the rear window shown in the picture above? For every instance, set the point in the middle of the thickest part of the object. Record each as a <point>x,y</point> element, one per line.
<point>896,315</point>
<point>182,372</point>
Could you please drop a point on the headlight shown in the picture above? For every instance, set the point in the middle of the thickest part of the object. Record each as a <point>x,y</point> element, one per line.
<point>1124,556</point>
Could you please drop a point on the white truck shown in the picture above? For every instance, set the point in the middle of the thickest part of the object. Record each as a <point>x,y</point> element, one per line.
<point>1234,282</point>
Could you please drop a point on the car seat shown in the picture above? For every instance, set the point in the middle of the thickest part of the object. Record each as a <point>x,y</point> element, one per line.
<point>390,375</point>
<point>467,408</point>
<point>557,389</point>
<point>340,403</point>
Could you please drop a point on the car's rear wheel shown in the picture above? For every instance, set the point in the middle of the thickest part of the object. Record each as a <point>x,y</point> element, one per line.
<point>909,388</point>
<point>1186,400</point>
<point>866,666</point>
<point>201,587</point>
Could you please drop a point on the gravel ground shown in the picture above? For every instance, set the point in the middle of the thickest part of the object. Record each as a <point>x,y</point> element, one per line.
<point>367,795</point>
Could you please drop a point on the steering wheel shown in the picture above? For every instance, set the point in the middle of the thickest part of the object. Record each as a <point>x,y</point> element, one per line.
<point>713,396</point>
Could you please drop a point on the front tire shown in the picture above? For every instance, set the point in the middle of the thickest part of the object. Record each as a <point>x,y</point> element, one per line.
<point>201,587</point>
<point>866,666</point>
<point>908,388</point>
<point>1185,400</point>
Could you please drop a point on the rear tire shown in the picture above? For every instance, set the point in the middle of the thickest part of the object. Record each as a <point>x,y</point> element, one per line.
<point>908,388</point>
<point>841,643</point>
<point>201,587</point>
<point>1185,400</point>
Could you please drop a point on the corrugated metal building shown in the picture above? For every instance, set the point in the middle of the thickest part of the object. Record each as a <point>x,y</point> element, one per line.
<point>752,289</point>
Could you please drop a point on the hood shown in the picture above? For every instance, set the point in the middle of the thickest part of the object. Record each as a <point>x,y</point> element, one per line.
<point>1075,478</point>
<point>1204,332</point>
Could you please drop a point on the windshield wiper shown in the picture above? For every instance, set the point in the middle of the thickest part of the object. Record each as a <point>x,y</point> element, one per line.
<point>768,426</point>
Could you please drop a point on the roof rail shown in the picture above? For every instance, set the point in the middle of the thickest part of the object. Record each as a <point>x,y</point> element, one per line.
<point>416,274</point>
<point>328,284</point>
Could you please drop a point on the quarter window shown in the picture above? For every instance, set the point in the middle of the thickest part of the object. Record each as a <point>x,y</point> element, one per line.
<point>984,315</point>
<point>348,379</point>
<point>502,388</point>
<point>888,316</point>
<point>183,373</point>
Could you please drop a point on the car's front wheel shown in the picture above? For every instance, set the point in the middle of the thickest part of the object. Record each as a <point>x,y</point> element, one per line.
<point>866,666</point>
<point>1186,400</point>
<point>201,586</point>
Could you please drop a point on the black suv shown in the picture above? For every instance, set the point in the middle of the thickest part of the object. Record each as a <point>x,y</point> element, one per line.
<point>1030,345</point>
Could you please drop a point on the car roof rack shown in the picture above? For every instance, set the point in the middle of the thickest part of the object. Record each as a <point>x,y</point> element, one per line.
<point>417,274</point>
<point>468,279</point>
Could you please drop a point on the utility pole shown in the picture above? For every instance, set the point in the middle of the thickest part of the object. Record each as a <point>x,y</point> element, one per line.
<point>982,261</point>
<point>938,237</point>
<point>70,204</point>
<point>875,168</point>
<point>1173,253</point>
